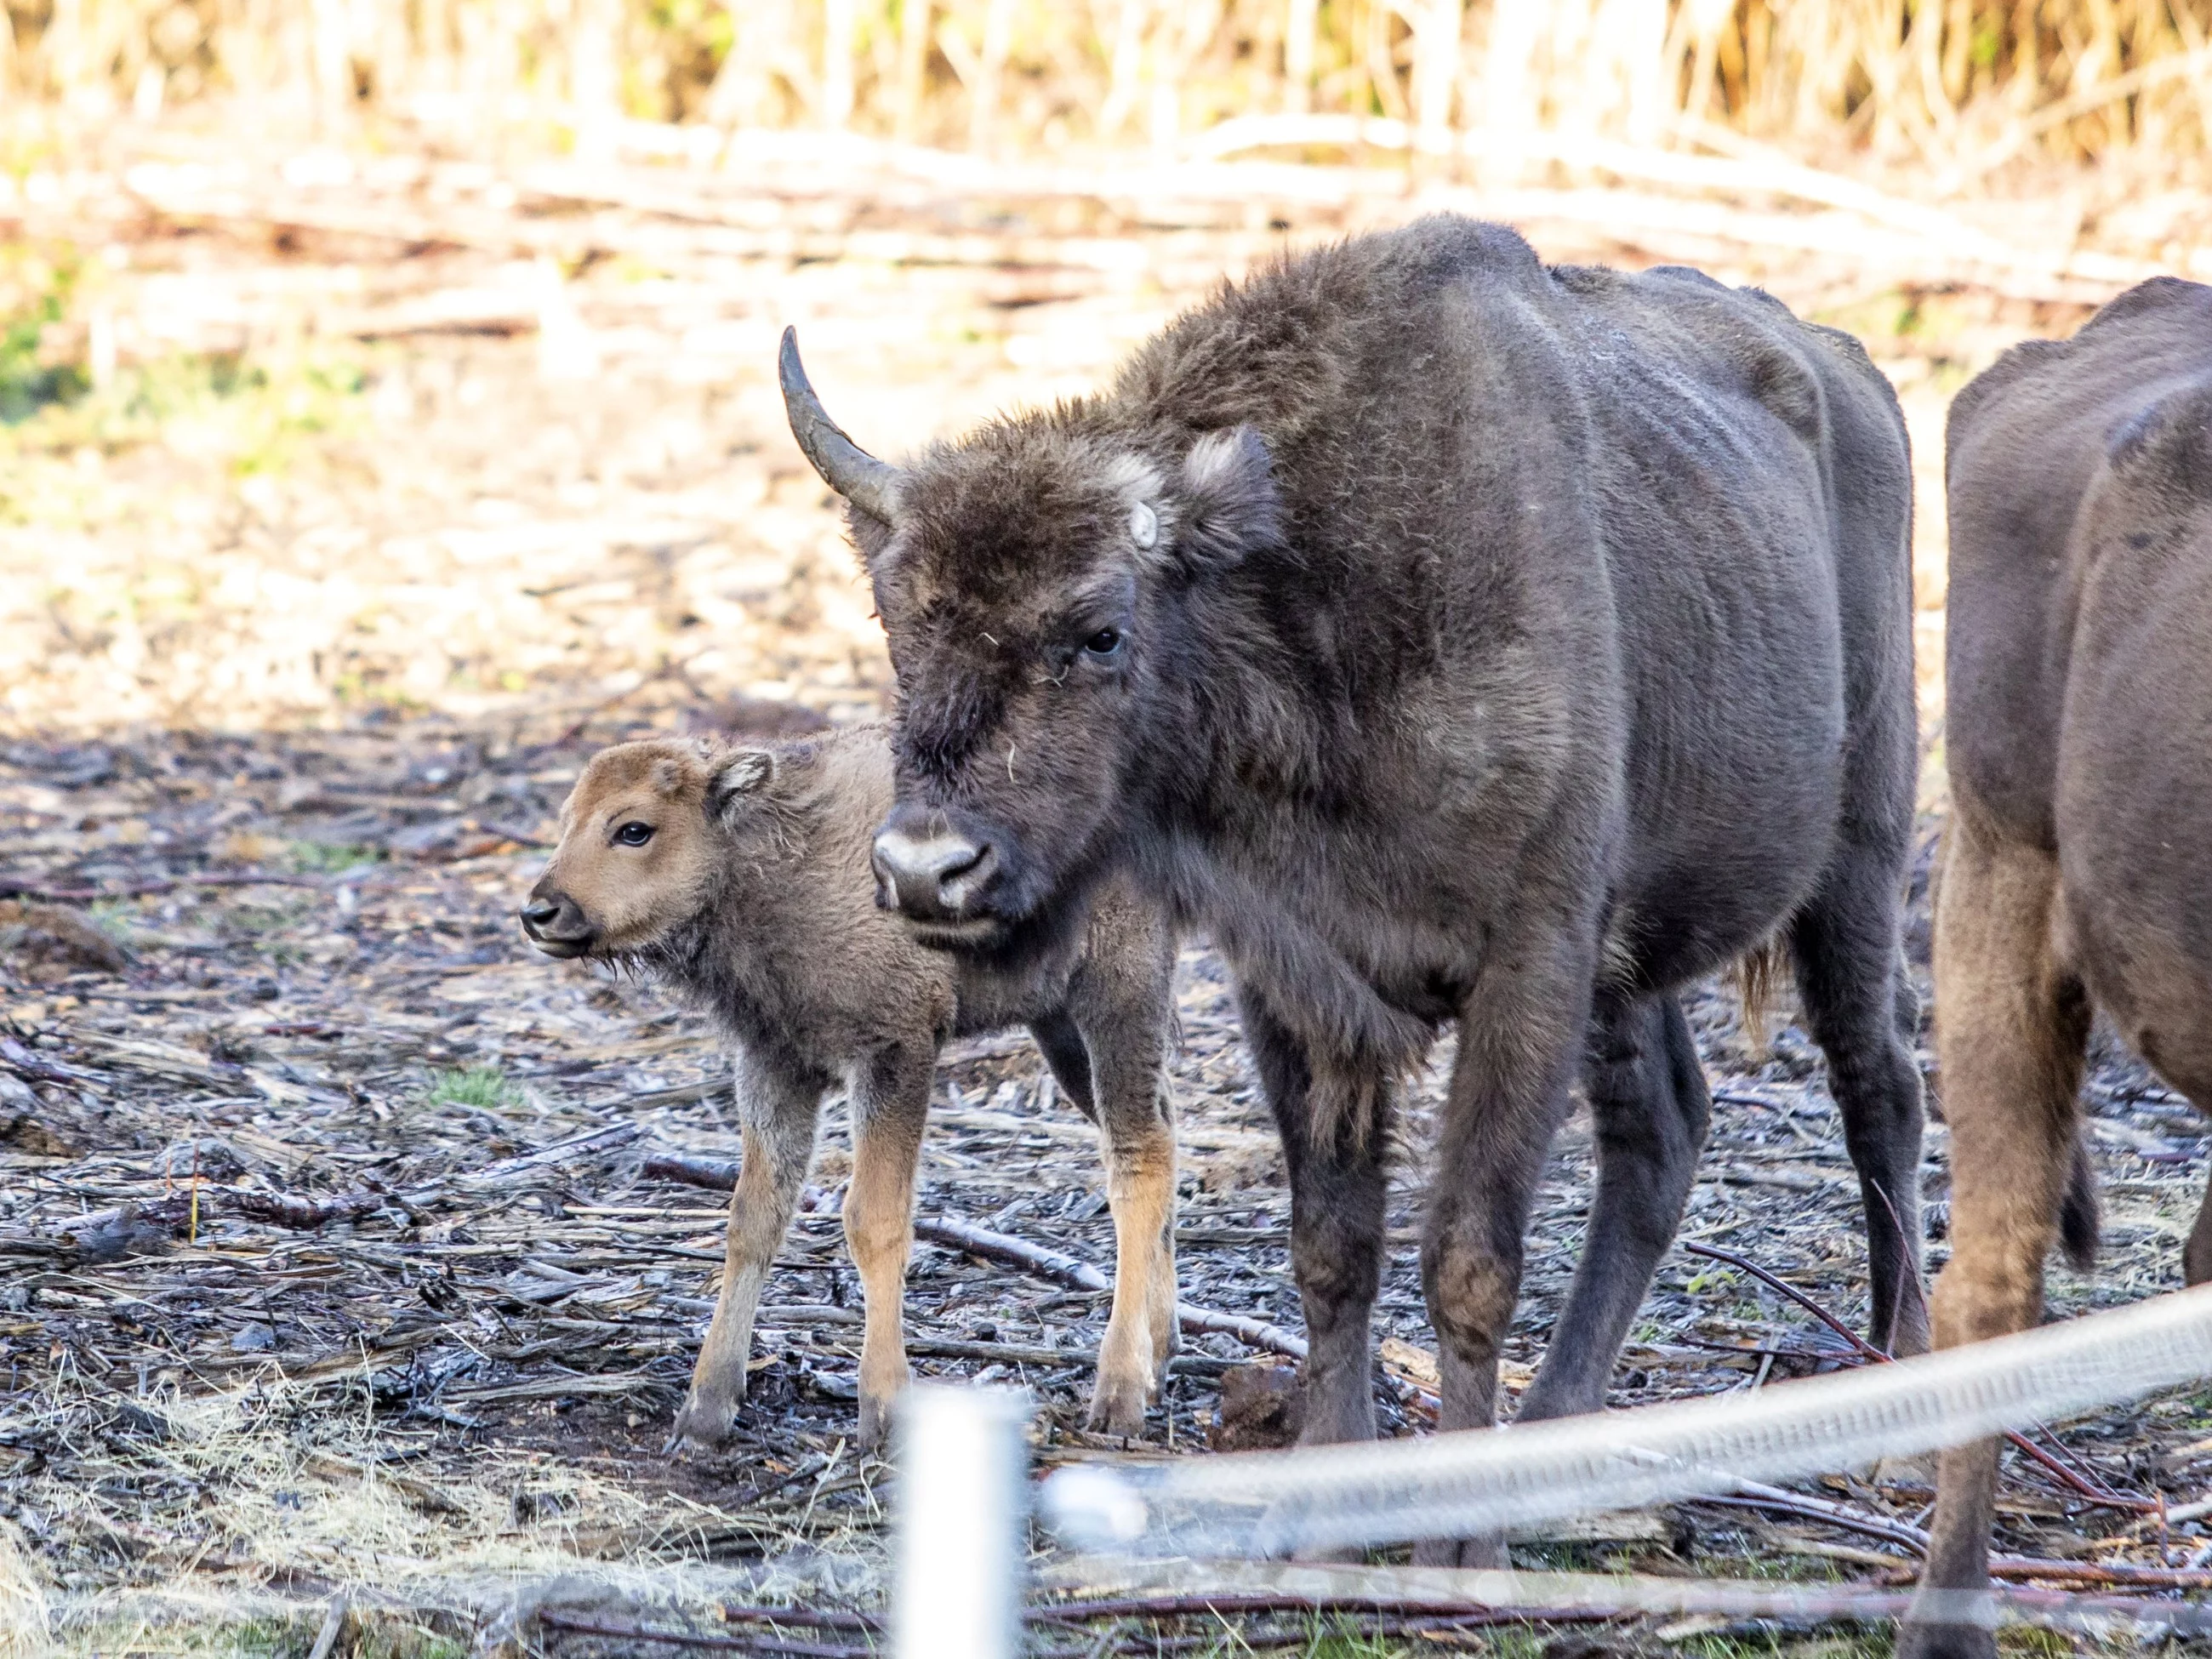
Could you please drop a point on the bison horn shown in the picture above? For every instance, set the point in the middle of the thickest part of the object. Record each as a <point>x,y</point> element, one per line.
<point>869,485</point>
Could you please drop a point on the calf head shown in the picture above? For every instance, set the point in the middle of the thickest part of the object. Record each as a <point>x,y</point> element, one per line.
<point>642,837</point>
<point>1039,584</point>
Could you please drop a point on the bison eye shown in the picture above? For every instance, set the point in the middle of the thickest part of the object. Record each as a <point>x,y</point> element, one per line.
<point>1104,643</point>
<point>634,834</point>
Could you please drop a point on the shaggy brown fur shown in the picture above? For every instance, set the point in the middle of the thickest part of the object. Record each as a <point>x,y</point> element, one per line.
<point>2075,874</point>
<point>1455,638</point>
<point>740,877</point>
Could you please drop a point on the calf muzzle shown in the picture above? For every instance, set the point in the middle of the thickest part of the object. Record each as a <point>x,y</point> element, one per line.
<point>557,926</point>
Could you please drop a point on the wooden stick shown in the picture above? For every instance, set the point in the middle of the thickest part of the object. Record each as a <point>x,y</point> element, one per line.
<point>1060,1268</point>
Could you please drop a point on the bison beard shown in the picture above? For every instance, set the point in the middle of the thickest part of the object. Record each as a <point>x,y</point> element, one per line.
<point>1452,638</point>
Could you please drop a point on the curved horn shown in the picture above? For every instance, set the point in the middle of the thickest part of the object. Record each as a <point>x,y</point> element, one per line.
<point>869,485</point>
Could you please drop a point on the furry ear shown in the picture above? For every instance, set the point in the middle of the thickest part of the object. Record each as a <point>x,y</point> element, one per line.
<point>870,535</point>
<point>1228,503</point>
<point>2170,442</point>
<point>742,773</point>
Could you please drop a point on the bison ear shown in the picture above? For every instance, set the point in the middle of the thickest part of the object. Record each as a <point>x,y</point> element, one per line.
<point>1229,505</point>
<point>742,773</point>
<point>870,535</point>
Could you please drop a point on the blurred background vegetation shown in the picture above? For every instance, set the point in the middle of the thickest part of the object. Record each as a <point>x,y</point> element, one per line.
<point>1971,85</point>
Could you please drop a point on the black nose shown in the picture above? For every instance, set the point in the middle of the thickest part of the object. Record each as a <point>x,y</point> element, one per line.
<point>937,877</point>
<point>539,914</point>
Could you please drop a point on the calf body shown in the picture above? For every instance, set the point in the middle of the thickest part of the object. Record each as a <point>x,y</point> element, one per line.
<point>2074,872</point>
<point>1454,638</point>
<point>740,877</point>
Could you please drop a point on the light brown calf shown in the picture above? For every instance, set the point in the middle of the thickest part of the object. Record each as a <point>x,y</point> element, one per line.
<point>740,877</point>
<point>2076,872</point>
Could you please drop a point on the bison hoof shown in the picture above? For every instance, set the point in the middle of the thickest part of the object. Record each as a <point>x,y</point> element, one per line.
<point>703,1425</point>
<point>1920,1640</point>
<point>1485,1553</point>
<point>1118,1407</point>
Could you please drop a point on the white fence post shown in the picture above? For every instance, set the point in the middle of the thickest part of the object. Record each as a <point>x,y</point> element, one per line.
<point>962,1500</point>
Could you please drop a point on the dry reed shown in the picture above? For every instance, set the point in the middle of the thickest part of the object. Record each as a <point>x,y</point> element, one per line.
<point>1964,85</point>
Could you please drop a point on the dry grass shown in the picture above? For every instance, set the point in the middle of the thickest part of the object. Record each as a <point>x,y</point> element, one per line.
<point>1970,84</point>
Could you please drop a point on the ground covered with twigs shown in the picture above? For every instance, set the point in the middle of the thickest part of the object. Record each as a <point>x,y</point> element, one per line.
<point>337,1247</point>
<point>352,1257</point>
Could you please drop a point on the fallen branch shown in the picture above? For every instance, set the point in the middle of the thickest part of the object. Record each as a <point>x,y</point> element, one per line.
<point>1751,1495</point>
<point>687,1639</point>
<point>720,1175</point>
<point>1867,1353</point>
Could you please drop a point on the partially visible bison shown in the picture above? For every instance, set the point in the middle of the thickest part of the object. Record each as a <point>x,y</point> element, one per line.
<point>1454,638</point>
<point>738,875</point>
<point>2075,874</point>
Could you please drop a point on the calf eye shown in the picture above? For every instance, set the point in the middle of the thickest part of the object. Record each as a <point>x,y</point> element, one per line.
<point>634,834</point>
<point>1104,643</point>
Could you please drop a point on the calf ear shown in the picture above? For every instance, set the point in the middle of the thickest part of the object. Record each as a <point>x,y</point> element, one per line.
<point>742,773</point>
<point>1229,504</point>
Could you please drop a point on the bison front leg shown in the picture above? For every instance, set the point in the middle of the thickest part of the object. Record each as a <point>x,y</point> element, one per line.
<point>891,1105</point>
<point>1520,1033</point>
<point>778,1113</point>
<point>1337,1189</point>
<point>2012,1026</point>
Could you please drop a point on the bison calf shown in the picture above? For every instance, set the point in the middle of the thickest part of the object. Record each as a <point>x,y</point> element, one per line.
<point>740,877</point>
<point>2080,740</point>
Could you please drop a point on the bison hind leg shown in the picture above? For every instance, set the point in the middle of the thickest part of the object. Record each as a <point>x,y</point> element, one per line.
<point>1648,1096</point>
<point>1862,1009</point>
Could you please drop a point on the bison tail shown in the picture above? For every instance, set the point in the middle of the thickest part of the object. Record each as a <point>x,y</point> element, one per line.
<point>2080,1214</point>
<point>1754,973</point>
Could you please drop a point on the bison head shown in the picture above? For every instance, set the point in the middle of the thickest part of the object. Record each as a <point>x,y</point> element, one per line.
<point>1041,585</point>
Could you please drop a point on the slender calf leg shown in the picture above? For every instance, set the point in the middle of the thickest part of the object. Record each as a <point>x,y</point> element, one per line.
<point>777,1113</point>
<point>891,1105</point>
<point>2012,1026</point>
<point>1520,1033</point>
<point>1115,1019</point>
<point>1647,1093</point>
<point>1859,1006</point>
<point>1336,1232</point>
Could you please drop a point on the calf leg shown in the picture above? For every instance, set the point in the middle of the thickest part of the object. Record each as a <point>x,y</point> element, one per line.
<point>1116,1029</point>
<point>891,1105</point>
<point>777,1113</point>
<point>1861,1009</point>
<point>2013,1026</point>
<point>1336,1232</point>
<point>1520,1034</point>
<point>1647,1094</point>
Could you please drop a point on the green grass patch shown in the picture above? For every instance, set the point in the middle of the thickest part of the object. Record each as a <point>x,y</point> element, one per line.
<point>485,1087</point>
<point>321,858</point>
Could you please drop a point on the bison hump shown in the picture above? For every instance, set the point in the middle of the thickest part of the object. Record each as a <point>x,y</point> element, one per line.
<point>2158,298</point>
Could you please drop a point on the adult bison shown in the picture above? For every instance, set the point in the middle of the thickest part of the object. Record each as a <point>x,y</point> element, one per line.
<point>1453,638</point>
<point>2074,871</point>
